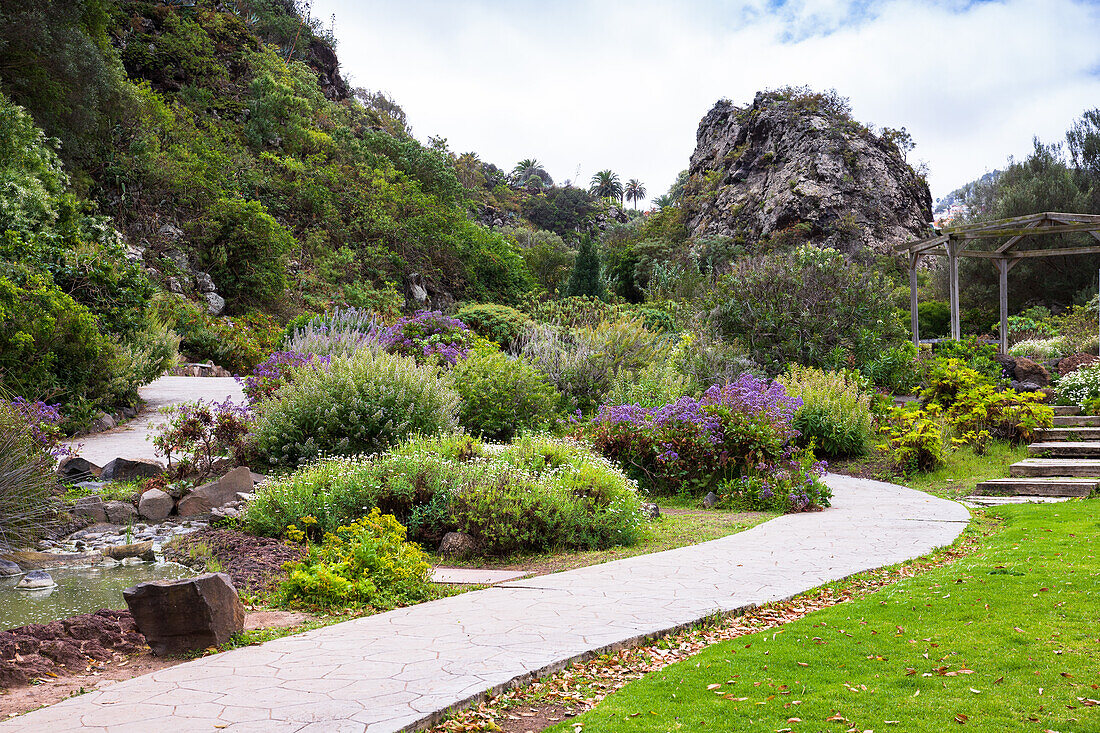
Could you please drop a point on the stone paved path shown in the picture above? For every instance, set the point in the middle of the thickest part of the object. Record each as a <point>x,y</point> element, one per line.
<point>396,670</point>
<point>129,440</point>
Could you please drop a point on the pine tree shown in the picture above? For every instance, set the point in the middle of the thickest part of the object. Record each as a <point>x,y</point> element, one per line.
<point>585,278</point>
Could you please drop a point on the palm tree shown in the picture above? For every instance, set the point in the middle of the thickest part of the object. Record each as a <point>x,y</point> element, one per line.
<point>634,191</point>
<point>664,201</point>
<point>606,185</point>
<point>529,168</point>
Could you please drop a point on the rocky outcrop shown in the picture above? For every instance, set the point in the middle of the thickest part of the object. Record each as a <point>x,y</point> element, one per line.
<point>791,168</point>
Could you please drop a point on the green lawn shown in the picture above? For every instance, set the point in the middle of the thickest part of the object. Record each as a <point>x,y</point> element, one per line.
<point>1005,639</point>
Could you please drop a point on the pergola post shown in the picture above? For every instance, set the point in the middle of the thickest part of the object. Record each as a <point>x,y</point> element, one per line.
<point>953,286</point>
<point>1002,271</point>
<point>913,310</point>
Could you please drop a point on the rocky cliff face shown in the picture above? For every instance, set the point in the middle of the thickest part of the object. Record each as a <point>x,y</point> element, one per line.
<point>797,168</point>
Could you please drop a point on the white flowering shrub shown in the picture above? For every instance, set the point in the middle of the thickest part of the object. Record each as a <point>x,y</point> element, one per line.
<point>535,494</point>
<point>360,403</point>
<point>1078,387</point>
<point>1039,349</point>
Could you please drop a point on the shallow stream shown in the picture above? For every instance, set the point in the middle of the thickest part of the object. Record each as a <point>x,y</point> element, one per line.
<point>79,590</point>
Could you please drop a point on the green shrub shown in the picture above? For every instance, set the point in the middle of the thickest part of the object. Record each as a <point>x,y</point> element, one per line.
<point>934,319</point>
<point>501,395</point>
<point>835,415</point>
<point>1041,349</point>
<point>358,404</point>
<point>538,493</point>
<point>973,353</point>
<point>895,369</point>
<point>661,382</point>
<point>999,414</point>
<point>498,323</point>
<point>915,439</point>
<point>810,306</point>
<point>239,343</point>
<point>245,250</point>
<point>948,379</point>
<point>367,563</point>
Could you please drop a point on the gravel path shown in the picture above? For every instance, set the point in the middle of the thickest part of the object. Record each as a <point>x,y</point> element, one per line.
<point>133,438</point>
<point>398,670</point>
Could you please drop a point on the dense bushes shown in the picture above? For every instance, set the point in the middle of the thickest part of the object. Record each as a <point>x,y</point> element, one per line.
<point>810,306</point>
<point>357,404</point>
<point>835,415</point>
<point>498,323</point>
<point>364,563</point>
<point>501,395</point>
<point>1080,386</point>
<point>742,429</point>
<point>538,493</point>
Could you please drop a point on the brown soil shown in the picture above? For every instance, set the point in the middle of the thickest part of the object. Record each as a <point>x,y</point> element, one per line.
<point>534,718</point>
<point>45,681</point>
<point>254,563</point>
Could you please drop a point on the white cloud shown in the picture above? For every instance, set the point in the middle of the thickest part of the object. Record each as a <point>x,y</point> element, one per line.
<point>623,85</point>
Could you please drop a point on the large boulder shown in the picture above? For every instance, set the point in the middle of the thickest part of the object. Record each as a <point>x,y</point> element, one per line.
<point>75,468</point>
<point>155,505</point>
<point>1007,364</point>
<point>186,615</point>
<point>140,550</point>
<point>91,507</point>
<point>120,512</point>
<point>1072,363</point>
<point>8,568</point>
<point>128,469</point>
<point>1032,371</point>
<point>457,545</point>
<point>216,493</point>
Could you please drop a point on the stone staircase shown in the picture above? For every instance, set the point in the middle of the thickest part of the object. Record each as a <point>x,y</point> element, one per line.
<point>1066,464</point>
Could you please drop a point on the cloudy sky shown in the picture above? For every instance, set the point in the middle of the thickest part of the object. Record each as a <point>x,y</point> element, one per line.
<point>586,85</point>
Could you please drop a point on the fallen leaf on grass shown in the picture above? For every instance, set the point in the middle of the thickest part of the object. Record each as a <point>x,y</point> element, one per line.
<point>961,718</point>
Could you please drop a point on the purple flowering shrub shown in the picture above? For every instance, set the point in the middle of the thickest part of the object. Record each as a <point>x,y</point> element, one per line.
<point>44,422</point>
<point>200,434</point>
<point>428,336</point>
<point>273,372</point>
<point>742,430</point>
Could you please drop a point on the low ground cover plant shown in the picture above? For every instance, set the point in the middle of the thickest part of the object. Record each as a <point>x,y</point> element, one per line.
<point>1079,386</point>
<point>356,404</point>
<point>366,563</point>
<point>538,493</point>
<point>691,446</point>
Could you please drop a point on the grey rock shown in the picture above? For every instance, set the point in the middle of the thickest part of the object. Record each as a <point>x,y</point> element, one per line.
<point>139,550</point>
<point>760,170</point>
<point>91,507</point>
<point>185,615</point>
<point>155,505</point>
<point>1029,387</point>
<point>8,568</point>
<point>102,422</point>
<point>215,304</point>
<point>174,286</point>
<point>95,486</point>
<point>36,579</point>
<point>457,545</point>
<point>651,511</point>
<point>710,500</point>
<point>127,469</point>
<point>204,282</point>
<point>418,289</point>
<point>216,493</point>
<point>120,512</point>
<point>75,468</point>
<point>170,232</point>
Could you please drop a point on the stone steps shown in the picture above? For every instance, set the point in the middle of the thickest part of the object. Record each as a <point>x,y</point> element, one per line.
<point>1066,410</point>
<point>1065,449</point>
<point>978,501</point>
<point>1058,486</point>
<point>1054,467</point>
<point>1077,421</point>
<point>1070,434</point>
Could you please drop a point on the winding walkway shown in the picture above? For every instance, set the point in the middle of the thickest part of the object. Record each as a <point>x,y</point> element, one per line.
<point>132,439</point>
<point>398,670</point>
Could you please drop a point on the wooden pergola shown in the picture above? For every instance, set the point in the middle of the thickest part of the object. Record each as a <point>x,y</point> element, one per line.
<point>950,242</point>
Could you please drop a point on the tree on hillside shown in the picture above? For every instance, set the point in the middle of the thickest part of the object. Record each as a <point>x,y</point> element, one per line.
<point>530,168</point>
<point>586,278</point>
<point>634,191</point>
<point>1084,144</point>
<point>606,184</point>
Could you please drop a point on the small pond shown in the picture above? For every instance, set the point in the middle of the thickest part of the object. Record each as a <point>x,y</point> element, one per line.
<point>79,590</point>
